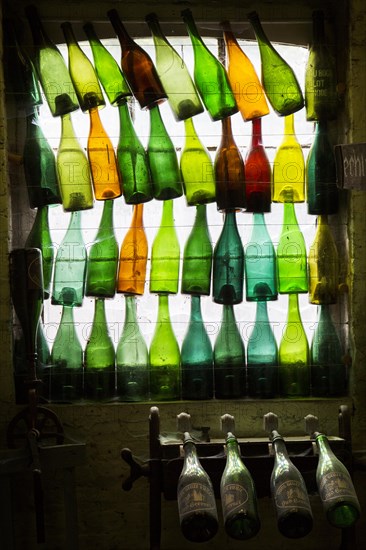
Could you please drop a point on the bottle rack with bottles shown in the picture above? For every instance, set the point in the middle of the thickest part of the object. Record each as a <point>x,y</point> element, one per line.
<point>166,460</point>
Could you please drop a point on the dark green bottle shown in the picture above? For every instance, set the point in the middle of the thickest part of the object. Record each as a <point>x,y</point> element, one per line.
<point>262,357</point>
<point>196,357</point>
<point>322,190</point>
<point>228,264</point>
<point>102,263</point>
<point>260,263</point>
<point>40,237</point>
<point>39,164</point>
<point>163,160</point>
<point>132,161</point>
<point>197,256</point>
<point>229,358</point>
<point>328,370</point>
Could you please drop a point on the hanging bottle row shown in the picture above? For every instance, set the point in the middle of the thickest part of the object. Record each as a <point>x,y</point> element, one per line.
<point>136,174</point>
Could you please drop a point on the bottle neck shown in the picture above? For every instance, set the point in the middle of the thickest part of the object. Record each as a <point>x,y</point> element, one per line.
<point>120,30</point>
<point>230,220</point>
<point>256,132</point>
<point>191,26</point>
<point>261,315</point>
<point>125,117</point>
<point>324,316</point>
<point>131,309</point>
<point>99,312</point>
<point>227,134</point>
<point>106,222</point>
<point>289,125</point>
<point>167,219</point>
<point>228,315</point>
<point>289,215</point>
<point>137,216</point>
<point>92,35</point>
<point>40,39</point>
<point>318,28</point>
<point>69,35</point>
<point>257,27</point>
<point>163,310</point>
<point>201,216</point>
<point>259,232</point>
<point>67,316</point>
<point>279,445</point>
<point>293,315</point>
<point>157,127</point>
<point>67,128</point>
<point>232,447</point>
<point>190,131</point>
<point>323,445</point>
<point>154,26</point>
<point>196,314</point>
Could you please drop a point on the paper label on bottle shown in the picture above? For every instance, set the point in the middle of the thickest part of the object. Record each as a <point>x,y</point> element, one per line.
<point>196,497</point>
<point>233,497</point>
<point>291,494</point>
<point>336,485</point>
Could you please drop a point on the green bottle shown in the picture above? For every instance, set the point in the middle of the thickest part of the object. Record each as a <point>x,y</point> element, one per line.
<point>39,166</point>
<point>165,254</point>
<point>132,358</point>
<point>82,72</point>
<point>328,370</point>
<point>322,190</point>
<point>262,357</point>
<point>211,79</point>
<point>228,264</point>
<point>65,383</point>
<point>102,263</point>
<point>323,265</point>
<point>163,160</point>
<point>108,71</point>
<point>196,168</point>
<point>278,79</point>
<point>40,237</point>
<point>70,266</point>
<point>196,357</point>
<point>164,357</point>
<point>73,170</point>
<point>260,263</point>
<point>51,68</point>
<point>99,358</point>
<point>294,360</point>
<point>197,256</point>
<point>132,161</point>
<point>335,486</point>
<point>237,490</point>
<point>43,359</point>
<point>229,358</point>
<point>291,254</point>
<point>174,75</point>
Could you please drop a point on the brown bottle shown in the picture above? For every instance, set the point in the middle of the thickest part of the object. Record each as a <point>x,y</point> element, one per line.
<point>138,67</point>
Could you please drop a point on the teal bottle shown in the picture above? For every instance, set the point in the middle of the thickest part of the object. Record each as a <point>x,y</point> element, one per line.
<point>228,264</point>
<point>102,263</point>
<point>40,237</point>
<point>132,161</point>
<point>196,357</point>
<point>229,358</point>
<point>260,263</point>
<point>328,369</point>
<point>262,357</point>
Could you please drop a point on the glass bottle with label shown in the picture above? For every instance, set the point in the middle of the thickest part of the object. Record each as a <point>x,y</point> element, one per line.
<point>40,237</point>
<point>323,265</point>
<point>258,174</point>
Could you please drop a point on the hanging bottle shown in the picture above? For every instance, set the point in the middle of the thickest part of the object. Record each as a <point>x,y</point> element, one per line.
<point>335,486</point>
<point>65,381</point>
<point>278,79</point>
<point>229,358</point>
<point>229,171</point>
<point>73,170</point>
<point>210,76</point>
<point>164,357</point>
<point>132,358</point>
<point>43,359</point>
<point>40,237</point>
<point>132,161</point>
<point>321,187</point>
<point>163,160</point>
<point>108,71</point>
<point>289,167</point>
<point>165,254</point>
<point>323,265</point>
<point>328,369</point>
<point>258,174</point>
<point>70,266</point>
<point>228,264</point>
<point>237,490</point>
<point>51,68</point>
<point>291,254</point>
<point>137,67</point>
<point>102,262</point>
<point>133,256</point>
<point>288,489</point>
<point>196,168</point>
<point>293,357</point>
<point>262,357</point>
<point>174,75</point>
<point>196,357</point>
<point>39,166</point>
<point>248,91</point>
<point>260,263</point>
<point>195,495</point>
<point>99,358</point>
<point>197,256</point>
<point>321,99</point>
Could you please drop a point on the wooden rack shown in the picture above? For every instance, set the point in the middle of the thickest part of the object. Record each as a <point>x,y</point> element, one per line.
<point>166,461</point>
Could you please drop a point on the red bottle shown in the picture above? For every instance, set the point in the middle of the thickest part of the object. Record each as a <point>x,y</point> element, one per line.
<point>258,174</point>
